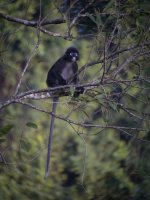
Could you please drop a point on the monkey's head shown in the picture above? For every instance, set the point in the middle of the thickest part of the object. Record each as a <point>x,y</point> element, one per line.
<point>72,54</point>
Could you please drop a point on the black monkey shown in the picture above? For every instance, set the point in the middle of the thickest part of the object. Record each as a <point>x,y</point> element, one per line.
<point>63,72</point>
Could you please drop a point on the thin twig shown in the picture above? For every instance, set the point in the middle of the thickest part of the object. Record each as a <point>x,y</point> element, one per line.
<point>25,68</point>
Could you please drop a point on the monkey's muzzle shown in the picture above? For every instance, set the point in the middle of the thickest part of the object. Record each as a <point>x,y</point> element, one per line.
<point>74,59</point>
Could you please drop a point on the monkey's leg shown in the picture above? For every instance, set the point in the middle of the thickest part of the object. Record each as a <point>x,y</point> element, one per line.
<point>55,101</point>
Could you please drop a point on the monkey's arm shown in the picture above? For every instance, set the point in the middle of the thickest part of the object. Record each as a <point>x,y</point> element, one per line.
<point>54,77</point>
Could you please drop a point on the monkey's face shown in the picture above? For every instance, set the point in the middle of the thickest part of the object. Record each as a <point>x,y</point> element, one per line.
<point>72,54</point>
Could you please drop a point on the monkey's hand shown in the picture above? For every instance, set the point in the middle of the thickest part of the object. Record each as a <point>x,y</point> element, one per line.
<point>63,81</point>
<point>78,90</point>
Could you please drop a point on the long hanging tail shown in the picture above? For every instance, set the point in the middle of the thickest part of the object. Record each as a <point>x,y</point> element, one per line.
<point>47,169</point>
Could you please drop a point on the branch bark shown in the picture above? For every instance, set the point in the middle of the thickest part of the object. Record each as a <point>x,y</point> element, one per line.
<point>30,23</point>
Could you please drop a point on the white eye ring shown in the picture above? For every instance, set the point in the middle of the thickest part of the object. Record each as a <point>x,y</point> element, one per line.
<point>70,54</point>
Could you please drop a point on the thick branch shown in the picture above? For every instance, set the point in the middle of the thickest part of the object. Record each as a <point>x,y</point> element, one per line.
<point>30,23</point>
<point>59,91</point>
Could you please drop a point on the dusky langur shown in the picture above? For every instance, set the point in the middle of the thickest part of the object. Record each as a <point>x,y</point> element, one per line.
<point>63,72</point>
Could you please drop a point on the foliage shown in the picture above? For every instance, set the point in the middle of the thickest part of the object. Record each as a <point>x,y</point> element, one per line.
<point>109,157</point>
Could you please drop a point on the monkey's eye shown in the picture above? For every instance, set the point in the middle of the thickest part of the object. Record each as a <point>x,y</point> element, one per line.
<point>74,54</point>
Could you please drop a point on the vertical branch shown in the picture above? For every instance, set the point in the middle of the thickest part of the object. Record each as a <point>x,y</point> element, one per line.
<point>33,52</point>
<point>104,62</point>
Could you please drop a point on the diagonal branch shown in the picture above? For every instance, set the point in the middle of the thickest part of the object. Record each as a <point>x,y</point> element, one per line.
<point>25,68</point>
<point>78,15</point>
<point>114,54</point>
<point>128,61</point>
<point>36,24</point>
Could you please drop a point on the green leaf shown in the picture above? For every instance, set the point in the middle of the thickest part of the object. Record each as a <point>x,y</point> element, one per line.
<point>25,145</point>
<point>31,125</point>
<point>109,5</point>
<point>85,113</point>
<point>6,129</point>
<point>113,106</point>
<point>92,18</point>
<point>100,98</point>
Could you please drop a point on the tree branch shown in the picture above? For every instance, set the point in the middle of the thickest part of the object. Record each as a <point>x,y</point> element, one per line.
<point>59,91</point>
<point>85,125</point>
<point>30,23</point>
<point>114,54</point>
<point>36,24</point>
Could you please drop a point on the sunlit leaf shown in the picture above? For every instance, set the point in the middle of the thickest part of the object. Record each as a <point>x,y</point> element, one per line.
<point>72,91</point>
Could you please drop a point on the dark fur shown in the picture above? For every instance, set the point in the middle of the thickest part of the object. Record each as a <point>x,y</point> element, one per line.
<point>55,78</point>
<point>63,72</point>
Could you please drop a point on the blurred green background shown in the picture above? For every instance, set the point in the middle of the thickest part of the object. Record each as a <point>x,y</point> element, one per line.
<point>87,163</point>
